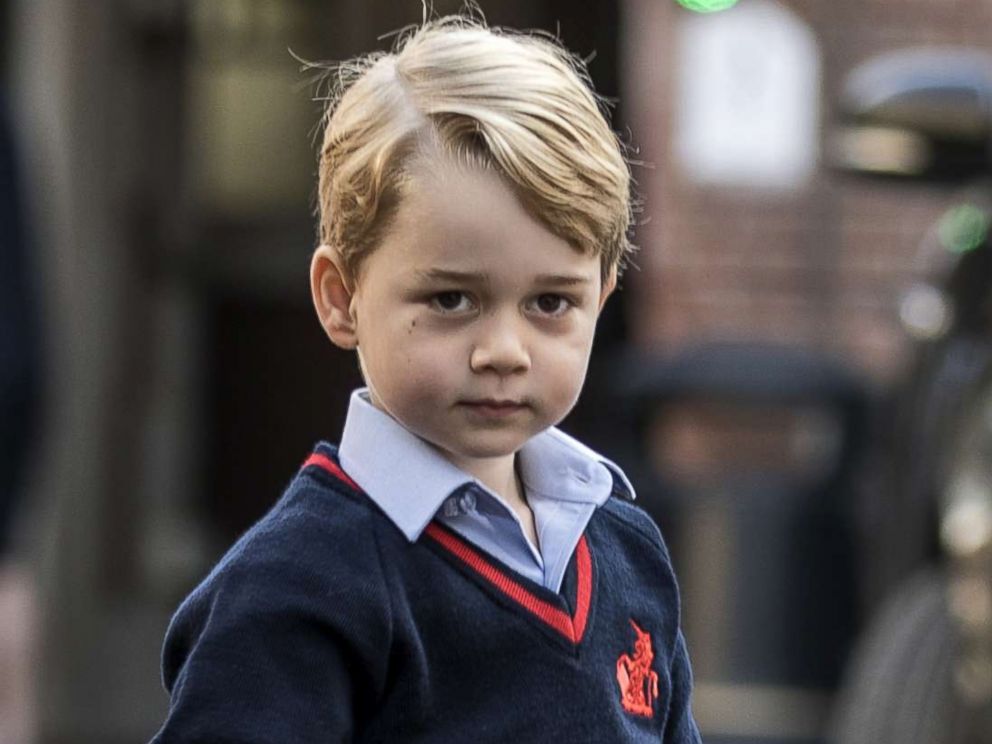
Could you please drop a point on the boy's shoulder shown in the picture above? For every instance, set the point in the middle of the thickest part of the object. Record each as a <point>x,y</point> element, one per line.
<point>320,499</point>
<point>312,563</point>
<point>630,520</point>
<point>321,531</point>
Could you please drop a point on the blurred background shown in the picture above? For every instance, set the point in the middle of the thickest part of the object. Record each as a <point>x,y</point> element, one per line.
<point>794,374</point>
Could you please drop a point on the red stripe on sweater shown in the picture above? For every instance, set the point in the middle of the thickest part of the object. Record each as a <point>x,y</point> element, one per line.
<point>326,463</point>
<point>570,627</point>
<point>583,564</point>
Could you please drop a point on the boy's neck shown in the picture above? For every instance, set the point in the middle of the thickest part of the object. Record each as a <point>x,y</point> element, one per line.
<point>499,475</point>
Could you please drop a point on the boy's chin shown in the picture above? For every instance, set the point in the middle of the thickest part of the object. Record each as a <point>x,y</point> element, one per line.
<point>493,448</point>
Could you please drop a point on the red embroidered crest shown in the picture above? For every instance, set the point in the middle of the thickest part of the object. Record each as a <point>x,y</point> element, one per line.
<point>638,682</point>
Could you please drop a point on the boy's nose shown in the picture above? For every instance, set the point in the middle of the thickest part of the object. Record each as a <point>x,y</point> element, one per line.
<point>500,349</point>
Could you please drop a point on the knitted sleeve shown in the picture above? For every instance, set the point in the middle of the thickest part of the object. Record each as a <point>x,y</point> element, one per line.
<point>680,727</point>
<point>281,643</point>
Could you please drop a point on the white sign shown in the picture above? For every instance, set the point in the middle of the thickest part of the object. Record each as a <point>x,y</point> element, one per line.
<point>748,97</point>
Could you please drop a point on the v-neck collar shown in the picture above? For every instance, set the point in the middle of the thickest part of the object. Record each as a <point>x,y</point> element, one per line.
<point>540,603</point>
<point>410,480</point>
<point>549,609</point>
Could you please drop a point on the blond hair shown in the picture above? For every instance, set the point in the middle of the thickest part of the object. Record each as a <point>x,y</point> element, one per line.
<point>516,103</point>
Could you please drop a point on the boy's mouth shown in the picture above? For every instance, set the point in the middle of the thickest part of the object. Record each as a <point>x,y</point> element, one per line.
<point>494,407</point>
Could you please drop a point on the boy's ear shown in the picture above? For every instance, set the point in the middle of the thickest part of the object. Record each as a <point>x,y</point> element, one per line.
<point>332,295</point>
<point>608,286</point>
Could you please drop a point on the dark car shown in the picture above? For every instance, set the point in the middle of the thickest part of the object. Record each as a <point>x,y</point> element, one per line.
<point>921,672</point>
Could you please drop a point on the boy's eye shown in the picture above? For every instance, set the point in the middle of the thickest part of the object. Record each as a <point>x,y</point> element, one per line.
<point>451,302</point>
<point>552,304</point>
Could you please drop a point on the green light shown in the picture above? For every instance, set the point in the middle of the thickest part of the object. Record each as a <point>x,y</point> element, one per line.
<point>964,228</point>
<point>706,6</point>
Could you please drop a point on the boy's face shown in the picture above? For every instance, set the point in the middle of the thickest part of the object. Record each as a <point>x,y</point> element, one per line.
<point>473,322</point>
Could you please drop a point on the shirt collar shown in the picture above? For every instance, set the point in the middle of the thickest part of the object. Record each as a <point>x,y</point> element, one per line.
<point>410,480</point>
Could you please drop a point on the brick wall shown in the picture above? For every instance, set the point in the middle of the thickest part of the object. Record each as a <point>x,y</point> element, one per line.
<point>821,265</point>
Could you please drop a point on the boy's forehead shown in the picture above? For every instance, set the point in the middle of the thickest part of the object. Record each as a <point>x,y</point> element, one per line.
<point>450,259</point>
<point>467,219</point>
<point>470,268</point>
<point>489,249</point>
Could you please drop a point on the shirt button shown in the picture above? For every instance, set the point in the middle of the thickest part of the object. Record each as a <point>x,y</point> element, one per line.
<point>459,504</point>
<point>451,507</point>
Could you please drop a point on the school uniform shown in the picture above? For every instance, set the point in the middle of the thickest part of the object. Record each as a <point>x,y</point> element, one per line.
<point>389,596</point>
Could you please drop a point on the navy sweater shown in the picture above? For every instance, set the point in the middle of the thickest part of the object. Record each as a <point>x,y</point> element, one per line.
<point>325,624</point>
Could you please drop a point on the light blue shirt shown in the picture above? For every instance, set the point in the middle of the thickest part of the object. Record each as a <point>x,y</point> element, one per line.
<point>413,483</point>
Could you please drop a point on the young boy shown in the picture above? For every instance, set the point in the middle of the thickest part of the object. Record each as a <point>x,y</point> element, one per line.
<point>458,569</point>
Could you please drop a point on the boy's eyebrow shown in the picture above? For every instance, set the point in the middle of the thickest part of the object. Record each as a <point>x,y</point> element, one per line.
<point>446,275</point>
<point>562,280</point>
<point>558,280</point>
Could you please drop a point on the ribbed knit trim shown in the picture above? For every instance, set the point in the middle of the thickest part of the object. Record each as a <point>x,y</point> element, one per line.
<point>572,627</point>
<point>327,464</point>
